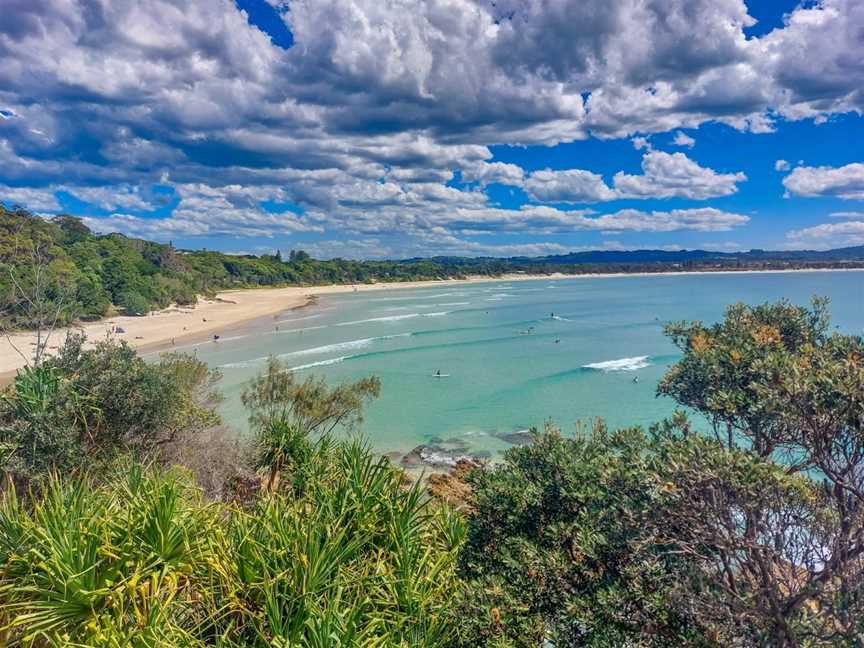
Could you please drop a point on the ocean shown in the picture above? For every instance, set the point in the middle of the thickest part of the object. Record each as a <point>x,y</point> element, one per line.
<point>512,354</point>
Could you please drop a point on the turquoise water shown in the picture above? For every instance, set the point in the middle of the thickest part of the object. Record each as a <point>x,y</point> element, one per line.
<point>497,344</point>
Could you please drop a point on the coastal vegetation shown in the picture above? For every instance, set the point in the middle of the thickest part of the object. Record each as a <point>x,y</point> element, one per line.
<point>130,516</point>
<point>56,271</point>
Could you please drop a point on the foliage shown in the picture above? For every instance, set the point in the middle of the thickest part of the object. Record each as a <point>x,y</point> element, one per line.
<point>86,402</point>
<point>788,568</point>
<point>559,549</point>
<point>142,561</point>
<point>727,365</point>
<point>286,413</point>
<point>754,538</point>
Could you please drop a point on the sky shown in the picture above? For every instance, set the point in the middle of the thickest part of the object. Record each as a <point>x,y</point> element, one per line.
<point>401,128</point>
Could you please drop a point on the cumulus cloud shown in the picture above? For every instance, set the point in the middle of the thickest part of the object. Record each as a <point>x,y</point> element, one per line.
<point>828,235</point>
<point>843,182</point>
<point>364,120</point>
<point>667,175</point>
<point>683,139</point>
<point>118,197</point>
<point>664,175</point>
<point>571,185</point>
<point>781,165</point>
<point>640,143</point>
<point>36,199</point>
<point>815,59</point>
<point>486,173</point>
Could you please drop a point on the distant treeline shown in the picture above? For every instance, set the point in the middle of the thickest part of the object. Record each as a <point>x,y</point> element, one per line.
<point>92,274</point>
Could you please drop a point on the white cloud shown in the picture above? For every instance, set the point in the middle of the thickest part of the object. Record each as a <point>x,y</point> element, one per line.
<point>781,165</point>
<point>640,143</point>
<point>486,173</point>
<point>847,214</point>
<point>843,182</point>
<point>828,235</point>
<point>814,61</point>
<point>704,219</point>
<point>36,199</point>
<point>683,139</point>
<point>547,220</point>
<point>111,198</point>
<point>571,185</point>
<point>405,92</point>
<point>667,175</point>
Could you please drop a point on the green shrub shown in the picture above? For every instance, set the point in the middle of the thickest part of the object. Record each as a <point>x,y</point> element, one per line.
<point>141,560</point>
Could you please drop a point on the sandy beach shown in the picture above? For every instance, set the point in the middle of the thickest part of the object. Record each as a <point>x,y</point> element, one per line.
<point>182,324</point>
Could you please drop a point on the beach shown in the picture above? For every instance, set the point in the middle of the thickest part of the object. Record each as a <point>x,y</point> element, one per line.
<point>178,325</point>
<point>182,324</point>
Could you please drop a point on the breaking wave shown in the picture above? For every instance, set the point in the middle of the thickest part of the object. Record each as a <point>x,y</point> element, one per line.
<point>321,363</point>
<point>342,346</point>
<point>350,345</point>
<point>621,364</point>
<point>393,318</point>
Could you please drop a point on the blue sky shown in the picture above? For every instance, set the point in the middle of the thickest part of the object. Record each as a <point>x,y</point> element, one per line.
<point>355,128</point>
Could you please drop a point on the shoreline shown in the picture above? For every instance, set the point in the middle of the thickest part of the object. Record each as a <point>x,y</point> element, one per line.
<point>182,325</point>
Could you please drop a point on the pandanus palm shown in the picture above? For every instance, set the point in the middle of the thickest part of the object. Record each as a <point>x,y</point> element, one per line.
<point>99,565</point>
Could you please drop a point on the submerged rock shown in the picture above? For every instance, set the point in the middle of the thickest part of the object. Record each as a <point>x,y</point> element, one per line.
<point>436,456</point>
<point>519,437</point>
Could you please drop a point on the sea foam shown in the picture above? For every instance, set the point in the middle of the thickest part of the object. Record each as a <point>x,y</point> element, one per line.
<point>321,363</point>
<point>393,318</point>
<point>621,364</point>
<point>349,345</point>
<point>342,346</point>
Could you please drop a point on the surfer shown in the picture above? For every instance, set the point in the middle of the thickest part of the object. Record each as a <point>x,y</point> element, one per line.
<point>438,373</point>
<point>635,379</point>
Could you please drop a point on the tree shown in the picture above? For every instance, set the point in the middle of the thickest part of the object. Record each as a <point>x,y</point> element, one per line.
<point>89,403</point>
<point>726,365</point>
<point>752,538</point>
<point>559,549</point>
<point>285,413</point>
<point>785,550</point>
<point>38,281</point>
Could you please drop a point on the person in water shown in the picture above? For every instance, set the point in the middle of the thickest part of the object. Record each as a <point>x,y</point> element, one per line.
<point>438,373</point>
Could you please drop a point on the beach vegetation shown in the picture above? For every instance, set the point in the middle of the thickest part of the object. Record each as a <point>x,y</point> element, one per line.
<point>737,522</point>
<point>86,404</point>
<point>288,416</point>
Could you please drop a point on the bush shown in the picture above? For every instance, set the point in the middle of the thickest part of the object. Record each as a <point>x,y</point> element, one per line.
<point>100,401</point>
<point>134,303</point>
<point>141,560</point>
<point>559,549</point>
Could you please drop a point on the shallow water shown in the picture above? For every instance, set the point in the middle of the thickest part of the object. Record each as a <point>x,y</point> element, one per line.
<point>514,353</point>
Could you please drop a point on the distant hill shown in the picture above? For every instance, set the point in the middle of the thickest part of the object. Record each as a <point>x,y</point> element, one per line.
<point>624,257</point>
